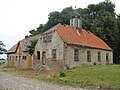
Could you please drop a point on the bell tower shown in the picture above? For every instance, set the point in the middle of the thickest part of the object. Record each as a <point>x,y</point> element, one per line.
<point>75,20</point>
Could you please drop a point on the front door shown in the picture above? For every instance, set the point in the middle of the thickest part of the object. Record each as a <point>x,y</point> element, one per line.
<point>44,58</point>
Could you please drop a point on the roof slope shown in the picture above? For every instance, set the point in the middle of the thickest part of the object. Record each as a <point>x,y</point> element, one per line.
<point>13,49</point>
<point>24,43</point>
<point>82,37</point>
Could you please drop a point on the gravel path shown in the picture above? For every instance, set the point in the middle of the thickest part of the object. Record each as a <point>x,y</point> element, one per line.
<point>11,82</point>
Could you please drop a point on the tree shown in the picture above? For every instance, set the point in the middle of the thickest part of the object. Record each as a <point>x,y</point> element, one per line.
<point>84,13</point>
<point>31,47</point>
<point>53,19</point>
<point>117,49</point>
<point>33,32</point>
<point>104,24</point>
<point>98,18</point>
<point>40,29</point>
<point>66,15</point>
<point>2,50</point>
<point>56,17</point>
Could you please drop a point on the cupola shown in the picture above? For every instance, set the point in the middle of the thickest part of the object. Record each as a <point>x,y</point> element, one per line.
<point>75,20</point>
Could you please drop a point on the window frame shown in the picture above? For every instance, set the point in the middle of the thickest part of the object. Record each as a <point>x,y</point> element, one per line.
<point>76,54</point>
<point>54,54</point>
<point>89,56</point>
<point>107,57</point>
<point>16,58</point>
<point>47,38</point>
<point>24,57</point>
<point>10,58</point>
<point>99,56</point>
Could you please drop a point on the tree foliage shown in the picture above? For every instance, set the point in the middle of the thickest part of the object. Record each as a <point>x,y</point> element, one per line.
<point>100,19</point>
<point>31,47</point>
<point>2,49</point>
<point>104,23</point>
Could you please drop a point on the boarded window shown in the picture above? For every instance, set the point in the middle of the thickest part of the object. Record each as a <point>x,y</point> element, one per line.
<point>107,57</point>
<point>99,57</point>
<point>38,55</point>
<point>54,53</point>
<point>89,56</point>
<point>76,55</point>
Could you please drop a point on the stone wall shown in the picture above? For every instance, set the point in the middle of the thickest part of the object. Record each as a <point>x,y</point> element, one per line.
<point>83,56</point>
<point>20,63</point>
<point>55,43</point>
<point>11,60</point>
<point>56,64</point>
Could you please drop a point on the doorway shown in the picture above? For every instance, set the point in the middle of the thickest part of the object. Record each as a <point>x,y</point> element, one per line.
<point>44,58</point>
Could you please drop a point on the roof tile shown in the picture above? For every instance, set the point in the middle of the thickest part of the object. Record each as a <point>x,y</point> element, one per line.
<point>81,37</point>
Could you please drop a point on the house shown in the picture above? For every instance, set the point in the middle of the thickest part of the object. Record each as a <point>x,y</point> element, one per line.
<point>70,46</point>
<point>18,55</point>
<point>62,47</point>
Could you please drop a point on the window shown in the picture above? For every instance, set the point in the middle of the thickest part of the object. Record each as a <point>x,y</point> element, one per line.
<point>16,58</point>
<point>76,55</point>
<point>99,57</point>
<point>38,55</point>
<point>76,22</point>
<point>71,23</point>
<point>24,57</point>
<point>13,57</point>
<point>10,57</point>
<point>54,53</point>
<point>19,57</point>
<point>107,57</point>
<point>89,56</point>
<point>47,38</point>
<point>44,39</point>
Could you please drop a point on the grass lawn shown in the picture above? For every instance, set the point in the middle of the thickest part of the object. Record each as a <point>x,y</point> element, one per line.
<point>99,76</point>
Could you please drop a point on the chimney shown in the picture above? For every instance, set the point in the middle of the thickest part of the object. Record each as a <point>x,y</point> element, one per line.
<point>26,36</point>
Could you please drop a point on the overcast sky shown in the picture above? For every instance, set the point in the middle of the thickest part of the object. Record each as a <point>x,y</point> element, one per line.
<point>18,17</point>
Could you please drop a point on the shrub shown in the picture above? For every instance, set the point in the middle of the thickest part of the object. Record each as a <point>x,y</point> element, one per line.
<point>62,73</point>
<point>94,63</point>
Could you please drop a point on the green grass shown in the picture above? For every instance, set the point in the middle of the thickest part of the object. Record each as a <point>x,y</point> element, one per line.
<point>102,76</point>
<point>1,65</point>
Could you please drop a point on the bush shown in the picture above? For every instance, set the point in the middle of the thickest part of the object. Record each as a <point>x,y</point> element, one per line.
<point>94,63</point>
<point>62,73</point>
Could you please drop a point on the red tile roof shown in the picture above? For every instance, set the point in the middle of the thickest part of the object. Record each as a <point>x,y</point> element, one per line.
<point>82,37</point>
